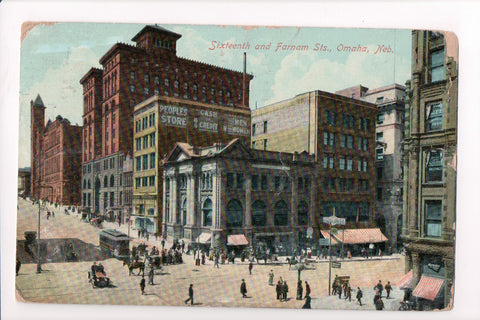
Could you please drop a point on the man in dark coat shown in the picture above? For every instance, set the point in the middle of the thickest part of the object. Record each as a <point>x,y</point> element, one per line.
<point>243,289</point>
<point>279,290</point>
<point>299,290</point>
<point>307,289</point>
<point>379,304</point>
<point>142,285</point>
<point>388,288</point>
<point>359,295</point>
<point>308,300</point>
<point>250,267</point>
<point>17,266</point>
<point>285,291</point>
<point>379,287</point>
<point>190,295</point>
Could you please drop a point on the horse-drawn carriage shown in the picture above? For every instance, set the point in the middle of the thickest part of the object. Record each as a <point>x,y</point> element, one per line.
<point>98,280</point>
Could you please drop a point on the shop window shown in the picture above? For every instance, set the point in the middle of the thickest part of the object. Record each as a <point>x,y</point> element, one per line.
<point>433,218</point>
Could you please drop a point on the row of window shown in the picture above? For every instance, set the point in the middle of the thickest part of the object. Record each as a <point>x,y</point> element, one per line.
<point>145,182</point>
<point>346,141</point>
<point>256,125</point>
<point>106,182</point>
<point>145,162</point>
<point>107,164</point>
<point>345,185</point>
<point>146,141</point>
<point>348,121</point>
<point>344,163</point>
<point>145,123</point>
<point>262,182</point>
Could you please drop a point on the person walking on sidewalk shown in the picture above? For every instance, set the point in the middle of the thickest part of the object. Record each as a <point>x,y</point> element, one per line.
<point>18,264</point>
<point>216,260</point>
<point>279,290</point>
<point>359,295</point>
<point>190,295</point>
<point>299,290</point>
<point>307,303</point>
<point>379,287</point>
<point>250,267</point>
<point>142,285</point>
<point>307,289</point>
<point>285,291</point>
<point>243,289</point>
<point>388,288</point>
<point>270,278</point>
<point>151,275</point>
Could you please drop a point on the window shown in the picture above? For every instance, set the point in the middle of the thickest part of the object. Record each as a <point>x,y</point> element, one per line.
<point>265,144</point>
<point>302,213</point>
<point>264,182</point>
<point>350,142</point>
<point>328,139</point>
<point>259,216</point>
<point>255,182</point>
<point>341,164</point>
<point>379,100</point>
<point>343,140</point>
<point>145,162</point>
<point>330,117</point>
<point>230,180</point>
<point>265,126</point>
<point>234,214</point>
<point>105,182</point>
<point>132,88</point>
<point>138,163</point>
<point>434,165</point>
<point>433,218</point>
<point>379,194</point>
<point>437,65</point>
<point>349,164</point>
<point>112,199</point>
<point>434,116</point>
<point>281,213</point>
<point>300,184</point>
<point>379,153</point>
<point>105,200</point>
<point>207,213</point>
<point>240,180</point>
<point>380,118</point>
<point>379,136</point>
<point>151,181</point>
<point>379,173</point>
<point>331,163</point>
<point>152,160</point>
<point>254,128</point>
<point>277,183</point>
<point>112,181</point>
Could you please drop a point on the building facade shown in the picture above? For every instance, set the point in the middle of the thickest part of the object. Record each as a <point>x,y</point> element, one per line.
<point>229,194</point>
<point>430,168</point>
<point>389,132</point>
<point>340,132</point>
<point>158,122</point>
<point>129,75</point>
<point>24,181</point>
<point>56,157</point>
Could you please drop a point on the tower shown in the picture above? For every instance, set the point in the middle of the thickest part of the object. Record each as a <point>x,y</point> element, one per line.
<point>37,130</point>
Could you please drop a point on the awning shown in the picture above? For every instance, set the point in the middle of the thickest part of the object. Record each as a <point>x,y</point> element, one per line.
<point>359,236</point>
<point>407,281</point>
<point>204,237</point>
<point>428,288</point>
<point>326,235</point>
<point>237,240</point>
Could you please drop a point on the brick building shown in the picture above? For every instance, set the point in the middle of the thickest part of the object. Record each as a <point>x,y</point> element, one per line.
<point>430,169</point>
<point>340,133</point>
<point>131,74</point>
<point>228,195</point>
<point>56,157</point>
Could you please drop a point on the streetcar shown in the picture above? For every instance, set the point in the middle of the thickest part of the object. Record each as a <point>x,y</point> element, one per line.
<point>115,243</point>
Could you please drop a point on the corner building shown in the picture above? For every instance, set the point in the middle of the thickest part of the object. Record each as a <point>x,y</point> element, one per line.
<point>56,157</point>
<point>131,74</point>
<point>430,169</point>
<point>340,133</point>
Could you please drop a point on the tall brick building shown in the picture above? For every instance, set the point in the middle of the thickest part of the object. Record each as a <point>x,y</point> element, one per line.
<point>130,75</point>
<point>56,157</point>
<point>340,132</point>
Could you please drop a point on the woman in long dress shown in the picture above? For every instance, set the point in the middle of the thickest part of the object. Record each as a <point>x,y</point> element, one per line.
<point>270,278</point>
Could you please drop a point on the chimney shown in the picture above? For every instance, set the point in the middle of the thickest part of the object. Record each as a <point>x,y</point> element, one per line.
<point>244,82</point>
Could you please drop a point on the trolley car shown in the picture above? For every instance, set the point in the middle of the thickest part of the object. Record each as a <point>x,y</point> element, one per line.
<point>115,243</point>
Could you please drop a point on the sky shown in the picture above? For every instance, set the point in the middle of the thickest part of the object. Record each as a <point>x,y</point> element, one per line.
<point>55,57</point>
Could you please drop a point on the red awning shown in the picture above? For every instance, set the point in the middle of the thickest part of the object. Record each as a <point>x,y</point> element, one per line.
<point>428,288</point>
<point>407,281</point>
<point>326,235</point>
<point>359,236</point>
<point>237,240</point>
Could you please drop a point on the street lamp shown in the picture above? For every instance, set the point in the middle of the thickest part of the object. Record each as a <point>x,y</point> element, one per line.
<point>39,265</point>
<point>332,221</point>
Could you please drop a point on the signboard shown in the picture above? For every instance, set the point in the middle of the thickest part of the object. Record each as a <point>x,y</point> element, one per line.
<point>323,242</point>
<point>237,125</point>
<point>206,120</point>
<point>336,265</point>
<point>174,116</point>
<point>333,220</point>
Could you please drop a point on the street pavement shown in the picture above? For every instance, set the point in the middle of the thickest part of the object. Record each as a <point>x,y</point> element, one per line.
<point>67,282</point>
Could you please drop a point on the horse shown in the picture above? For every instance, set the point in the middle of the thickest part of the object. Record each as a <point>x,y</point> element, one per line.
<point>134,265</point>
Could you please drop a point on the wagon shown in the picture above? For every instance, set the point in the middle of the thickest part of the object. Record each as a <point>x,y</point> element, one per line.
<point>99,281</point>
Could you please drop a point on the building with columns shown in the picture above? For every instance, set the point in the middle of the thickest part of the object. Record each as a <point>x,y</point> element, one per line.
<point>230,195</point>
<point>430,169</point>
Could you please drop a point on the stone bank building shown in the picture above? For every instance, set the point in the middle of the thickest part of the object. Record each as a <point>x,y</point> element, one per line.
<point>231,195</point>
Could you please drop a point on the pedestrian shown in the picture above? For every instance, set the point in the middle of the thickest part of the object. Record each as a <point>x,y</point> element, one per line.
<point>163,244</point>
<point>359,295</point>
<point>279,290</point>
<point>183,246</point>
<point>307,289</point>
<point>379,287</point>
<point>156,236</point>
<point>379,304</point>
<point>142,285</point>
<point>216,260</point>
<point>308,300</point>
<point>335,285</point>
<point>299,290</point>
<point>151,275</point>
<point>203,257</point>
<point>139,232</point>
<point>94,270</point>
<point>243,289</point>
<point>147,235</point>
<point>285,291</point>
<point>348,293</point>
<point>270,278</point>
<point>339,290</point>
<point>190,295</point>
<point>18,264</point>
<point>388,288</point>
<point>250,267</point>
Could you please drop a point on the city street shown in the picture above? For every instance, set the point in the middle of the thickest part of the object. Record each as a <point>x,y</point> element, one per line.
<point>67,282</point>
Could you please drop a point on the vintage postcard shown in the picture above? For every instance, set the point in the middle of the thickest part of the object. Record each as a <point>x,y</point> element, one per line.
<point>234,166</point>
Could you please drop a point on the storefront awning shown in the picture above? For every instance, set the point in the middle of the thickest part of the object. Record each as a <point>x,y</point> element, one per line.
<point>407,281</point>
<point>204,237</point>
<point>326,235</point>
<point>428,288</point>
<point>237,240</point>
<point>359,236</point>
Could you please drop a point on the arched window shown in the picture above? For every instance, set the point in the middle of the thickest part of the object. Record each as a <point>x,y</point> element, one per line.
<point>234,214</point>
<point>302,213</point>
<point>259,216</point>
<point>184,212</point>
<point>89,185</point>
<point>207,213</point>
<point>112,181</point>
<point>281,213</point>
<point>105,182</point>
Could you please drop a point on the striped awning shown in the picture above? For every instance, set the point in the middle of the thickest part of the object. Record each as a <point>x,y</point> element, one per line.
<point>204,237</point>
<point>407,281</point>
<point>359,236</point>
<point>428,288</point>
<point>326,235</point>
<point>237,240</point>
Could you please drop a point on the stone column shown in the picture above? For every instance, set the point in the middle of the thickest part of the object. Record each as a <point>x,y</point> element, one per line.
<point>247,216</point>
<point>416,266</point>
<point>449,280</point>
<point>413,210</point>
